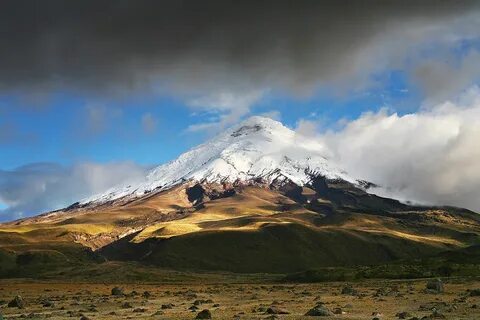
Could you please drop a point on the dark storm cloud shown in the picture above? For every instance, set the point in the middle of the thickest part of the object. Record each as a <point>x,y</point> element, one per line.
<point>191,46</point>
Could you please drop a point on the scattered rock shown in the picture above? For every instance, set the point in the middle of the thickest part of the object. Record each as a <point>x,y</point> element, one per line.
<point>17,302</point>
<point>48,304</point>
<point>338,311</point>
<point>167,306</point>
<point>139,310</point>
<point>435,286</point>
<point>117,291</point>
<point>349,290</point>
<point>260,309</point>
<point>146,294</point>
<point>437,315</point>
<point>403,315</point>
<point>276,310</point>
<point>199,302</point>
<point>204,314</point>
<point>126,305</point>
<point>319,311</point>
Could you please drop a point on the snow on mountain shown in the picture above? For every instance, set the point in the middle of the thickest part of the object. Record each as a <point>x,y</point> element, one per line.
<point>258,147</point>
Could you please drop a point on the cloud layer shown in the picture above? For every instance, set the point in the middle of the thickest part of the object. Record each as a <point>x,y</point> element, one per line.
<point>203,49</point>
<point>428,157</point>
<point>41,187</point>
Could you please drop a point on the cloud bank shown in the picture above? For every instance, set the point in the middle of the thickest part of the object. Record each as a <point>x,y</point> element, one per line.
<point>428,157</point>
<point>42,187</point>
<point>197,50</point>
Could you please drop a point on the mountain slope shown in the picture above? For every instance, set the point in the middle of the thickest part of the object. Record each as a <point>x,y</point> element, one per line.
<point>257,198</point>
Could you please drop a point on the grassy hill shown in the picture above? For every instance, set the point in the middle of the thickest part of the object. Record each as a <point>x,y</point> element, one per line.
<point>245,229</point>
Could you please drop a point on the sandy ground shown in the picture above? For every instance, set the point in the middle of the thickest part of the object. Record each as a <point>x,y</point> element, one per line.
<point>382,299</point>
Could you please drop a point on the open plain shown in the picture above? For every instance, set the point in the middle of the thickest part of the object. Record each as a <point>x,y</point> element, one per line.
<point>254,299</point>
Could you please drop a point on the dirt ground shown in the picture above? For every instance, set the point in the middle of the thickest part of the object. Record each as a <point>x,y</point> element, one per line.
<point>363,300</point>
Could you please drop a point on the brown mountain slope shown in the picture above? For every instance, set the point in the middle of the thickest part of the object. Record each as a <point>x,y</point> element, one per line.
<point>241,228</point>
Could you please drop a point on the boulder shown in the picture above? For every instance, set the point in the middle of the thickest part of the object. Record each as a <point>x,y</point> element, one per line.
<point>319,311</point>
<point>276,310</point>
<point>204,314</point>
<point>435,286</point>
<point>17,302</point>
<point>349,290</point>
<point>117,291</point>
<point>403,315</point>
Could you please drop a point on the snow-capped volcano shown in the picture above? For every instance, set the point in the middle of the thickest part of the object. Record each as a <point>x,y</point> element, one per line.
<point>258,147</point>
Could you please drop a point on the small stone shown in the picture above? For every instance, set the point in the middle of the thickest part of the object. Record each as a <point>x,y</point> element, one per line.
<point>437,315</point>
<point>403,315</point>
<point>48,304</point>
<point>117,291</point>
<point>17,302</point>
<point>435,286</point>
<point>338,311</point>
<point>204,314</point>
<point>319,311</point>
<point>349,290</point>
<point>276,310</point>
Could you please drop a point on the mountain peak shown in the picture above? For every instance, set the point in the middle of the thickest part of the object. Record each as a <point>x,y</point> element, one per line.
<point>257,148</point>
<point>264,122</point>
<point>256,124</point>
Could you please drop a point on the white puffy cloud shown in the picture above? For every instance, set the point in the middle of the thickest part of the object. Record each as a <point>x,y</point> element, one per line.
<point>41,187</point>
<point>227,107</point>
<point>429,157</point>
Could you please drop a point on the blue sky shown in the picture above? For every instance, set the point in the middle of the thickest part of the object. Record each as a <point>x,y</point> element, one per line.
<point>61,129</point>
<point>87,102</point>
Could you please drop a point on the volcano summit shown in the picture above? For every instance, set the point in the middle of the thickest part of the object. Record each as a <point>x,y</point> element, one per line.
<point>257,198</point>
